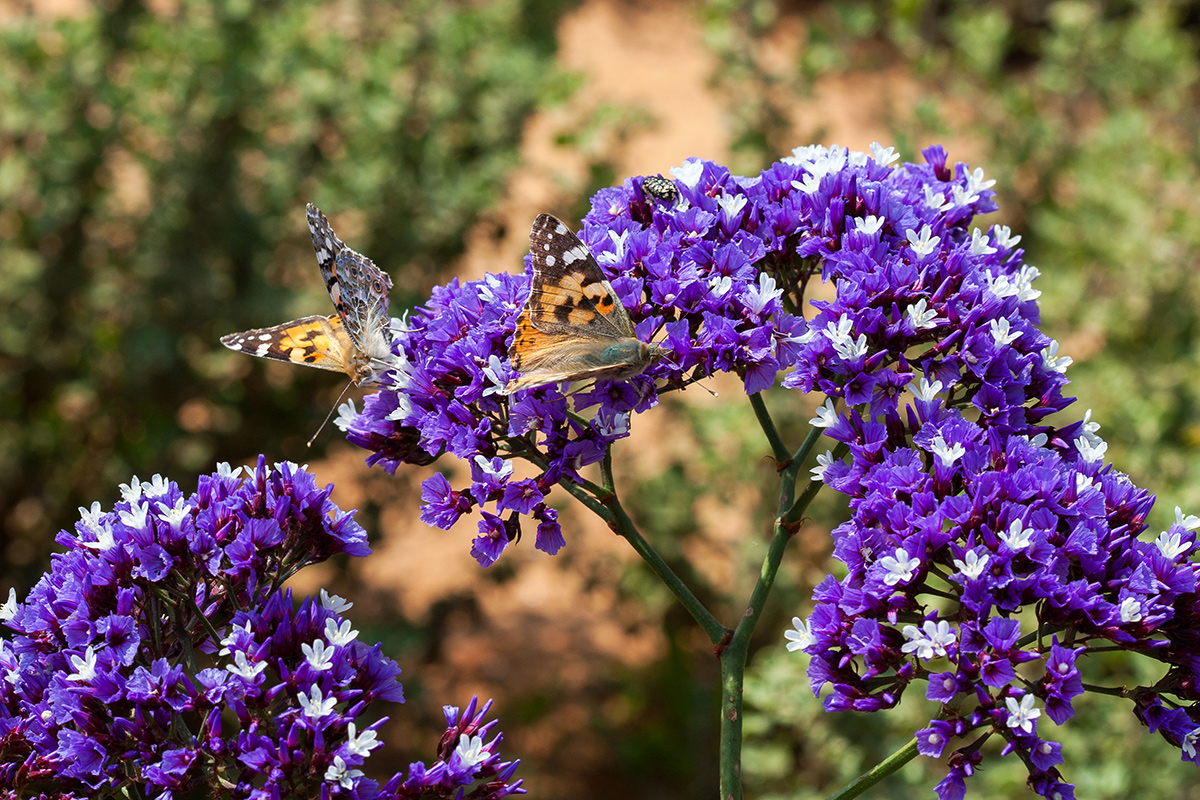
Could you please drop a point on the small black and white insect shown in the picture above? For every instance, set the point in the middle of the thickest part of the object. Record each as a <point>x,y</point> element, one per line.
<point>660,187</point>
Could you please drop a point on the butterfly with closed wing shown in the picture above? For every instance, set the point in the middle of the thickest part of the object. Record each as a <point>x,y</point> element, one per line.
<point>573,326</point>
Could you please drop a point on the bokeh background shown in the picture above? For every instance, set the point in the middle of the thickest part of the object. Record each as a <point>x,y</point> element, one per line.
<point>155,159</point>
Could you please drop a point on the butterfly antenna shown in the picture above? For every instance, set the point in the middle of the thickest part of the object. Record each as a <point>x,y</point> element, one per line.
<point>329,416</point>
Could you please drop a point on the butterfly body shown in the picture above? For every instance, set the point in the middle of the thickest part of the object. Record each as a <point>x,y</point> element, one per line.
<point>573,326</point>
<point>356,341</point>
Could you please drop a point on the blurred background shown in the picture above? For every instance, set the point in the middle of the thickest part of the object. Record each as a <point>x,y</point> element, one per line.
<point>155,159</point>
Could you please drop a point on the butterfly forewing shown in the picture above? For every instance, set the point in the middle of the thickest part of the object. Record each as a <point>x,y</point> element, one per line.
<point>569,291</point>
<point>358,288</point>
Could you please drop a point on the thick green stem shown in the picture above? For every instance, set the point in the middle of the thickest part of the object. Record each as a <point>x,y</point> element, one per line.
<point>733,657</point>
<point>884,768</point>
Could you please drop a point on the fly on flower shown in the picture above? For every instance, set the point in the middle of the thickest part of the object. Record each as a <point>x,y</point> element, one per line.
<point>573,326</point>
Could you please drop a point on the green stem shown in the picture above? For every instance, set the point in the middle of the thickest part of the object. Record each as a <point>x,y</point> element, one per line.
<point>603,502</point>
<point>881,770</point>
<point>783,456</point>
<point>733,657</point>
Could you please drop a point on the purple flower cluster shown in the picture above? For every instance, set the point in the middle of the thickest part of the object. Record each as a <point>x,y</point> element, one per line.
<point>973,514</point>
<point>160,652</point>
<point>987,550</point>
<point>464,759</point>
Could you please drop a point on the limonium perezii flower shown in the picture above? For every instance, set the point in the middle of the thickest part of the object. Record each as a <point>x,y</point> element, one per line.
<point>160,652</point>
<point>973,510</point>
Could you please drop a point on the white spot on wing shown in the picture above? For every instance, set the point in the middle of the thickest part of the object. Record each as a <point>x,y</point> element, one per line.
<point>561,230</point>
<point>546,247</point>
<point>576,253</point>
<point>549,261</point>
<point>262,349</point>
<point>266,337</point>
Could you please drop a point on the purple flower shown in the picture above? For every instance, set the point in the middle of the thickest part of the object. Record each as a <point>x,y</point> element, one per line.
<point>174,678</point>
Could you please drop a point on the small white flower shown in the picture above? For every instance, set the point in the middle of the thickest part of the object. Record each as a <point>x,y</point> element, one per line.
<point>824,461</point>
<point>1002,332</point>
<point>929,641</point>
<point>972,564</point>
<point>946,453</point>
<point>402,410</point>
<point>341,773</point>
<point>1017,537</point>
<point>976,183</point>
<point>1019,285</point>
<point>314,704</point>
<point>809,184</point>
<point>361,744</point>
<point>921,316</point>
<point>869,225</point>
<point>9,609</point>
<point>173,516</point>
<point>980,245</point>
<point>935,200</point>
<point>1188,523</point>
<point>345,416</point>
<point>799,638</point>
<point>1131,610</point>
<point>827,415</point>
<point>1052,361</point>
<point>1083,483</point>
<point>610,424</point>
<point>135,517</point>
<point>1022,714</point>
<point>731,204</point>
<point>688,174</point>
<point>494,372</point>
<point>318,656</point>
<point>242,667</point>
<point>719,287</point>
<point>157,487</point>
<point>884,156</point>
<point>232,637</point>
<point>470,751</point>
<point>758,296</point>
<point>90,517</point>
<point>1190,741</point>
<point>1091,449</point>
<point>85,666</point>
<point>131,492</point>
<point>1171,545</point>
<point>925,390</point>
<point>923,243</point>
<point>1004,237</point>
<point>104,539</point>
<point>226,471</point>
<point>617,254</point>
<point>900,568</point>
<point>339,635</point>
<point>501,472</point>
<point>334,603</point>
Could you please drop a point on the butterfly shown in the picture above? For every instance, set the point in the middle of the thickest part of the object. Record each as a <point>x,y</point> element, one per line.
<point>357,340</point>
<point>573,326</point>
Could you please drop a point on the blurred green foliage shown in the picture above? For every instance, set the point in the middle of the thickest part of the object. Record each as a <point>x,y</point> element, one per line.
<point>1087,114</point>
<point>154,166</point>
